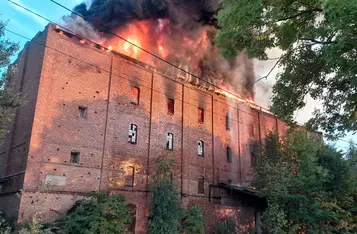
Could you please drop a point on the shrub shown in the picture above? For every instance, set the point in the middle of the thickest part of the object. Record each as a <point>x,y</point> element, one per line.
<point>193,222</point>
<point>226,227</point>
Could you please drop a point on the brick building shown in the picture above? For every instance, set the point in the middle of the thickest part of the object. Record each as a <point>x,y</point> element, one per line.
<point>71,135</point>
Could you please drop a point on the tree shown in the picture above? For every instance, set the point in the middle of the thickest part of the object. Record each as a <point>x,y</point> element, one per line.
<point>193,221</point>
<point>99,213</point>
<point>166,212</point>
<point>320,58</point>
<point>8,100</point>
<point>309,187</point>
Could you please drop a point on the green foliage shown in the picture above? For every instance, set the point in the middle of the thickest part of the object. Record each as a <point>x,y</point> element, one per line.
<point>5,228</point>
<point>309,187</point>
<point>226,227</point>
<point>193,221</point>
<point>318,40</point>
<point>100,213</point>
<point>166,212</point>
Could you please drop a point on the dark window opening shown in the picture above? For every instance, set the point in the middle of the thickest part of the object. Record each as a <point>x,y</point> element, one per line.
<point>75,157</point>
<point>201,115</point>
<point>200,148</point>
<point>83,112</point>
<point>170,106</point>
<point>135,95</point>
<point>251,130</point>
<point>228,123</point>
<point>252,149</point>
<point>129,178</point>
<point>201,185</point>
<point>133,134</point>
<point>229,154</point>
<point>229,181</point>
<point>170,141</point>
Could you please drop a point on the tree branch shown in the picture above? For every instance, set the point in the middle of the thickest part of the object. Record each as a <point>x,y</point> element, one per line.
<point>300,13</point>
<point>317,41</point>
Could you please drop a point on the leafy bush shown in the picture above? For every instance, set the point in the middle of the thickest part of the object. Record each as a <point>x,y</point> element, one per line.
<point>4,225</point>
<point>193,222</point>
<point>100,213</point>
<point>228,226</point>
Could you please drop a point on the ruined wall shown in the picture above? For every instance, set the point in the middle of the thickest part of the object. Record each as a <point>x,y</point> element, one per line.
<point>79,75</point>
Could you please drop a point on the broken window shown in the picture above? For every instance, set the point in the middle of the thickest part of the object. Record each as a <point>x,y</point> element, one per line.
<point>75,156</point>
<point>228,123</point>
<point>170,106</point>
<point>135,95</point>
<point>200,148</point>
<point>129,177</point>
<point>251,130</point>
<point>201,185</point>
<point>201,115</point>
<point>170,141</point>
<point>229,154</point>
<point>82,112</point>
<point>132,133</point>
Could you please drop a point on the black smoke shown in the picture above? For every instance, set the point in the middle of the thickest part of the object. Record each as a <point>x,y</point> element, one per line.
<point>112,14</point>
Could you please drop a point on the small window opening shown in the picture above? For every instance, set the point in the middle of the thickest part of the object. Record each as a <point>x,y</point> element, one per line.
<point>135,95</point>
<point>83,112</point>
<point>129,178</point>
<point>228,123</point>
<point>201,115</point>
<point>200,148</point>
<point>251,130</point>
<point>170,106</point>
<point>75,157</point>
<point>229,154</point>
<point>170,141</point>
<point>201,185</point>
<point>133,133</point>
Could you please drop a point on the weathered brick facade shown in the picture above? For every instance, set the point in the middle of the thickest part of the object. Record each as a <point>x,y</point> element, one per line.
<point>68,74</point>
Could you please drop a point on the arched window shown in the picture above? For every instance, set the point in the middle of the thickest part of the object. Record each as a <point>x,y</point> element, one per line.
<point>129,177</point>
<point>201,185</point>
<point>200,148</point>
<point>170,141</point>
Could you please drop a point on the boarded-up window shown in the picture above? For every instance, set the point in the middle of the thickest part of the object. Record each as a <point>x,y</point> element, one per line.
<point>132,133</point>
<point>201,115</point>
<point>229,154</point>
<point>135,95</point>
<point>75,157</point>
<point>170,106</point>
<point>129,177</point>
<point>228,123</point>
<point>82,112</point>
<point>200,148</point>
<point>170,141</point>
<point>201,185</point>
<point>251,133</point>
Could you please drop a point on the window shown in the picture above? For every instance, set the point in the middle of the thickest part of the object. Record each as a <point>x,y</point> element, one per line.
<point>132,133</point>
<point>129,177</point>
<point>170,106</point>
<point>135,95</point>
<point>200,148</point>
<point>82,112</point>
<point>228,123</point>
<point>201,115</point>
<point>75,155</point>
<point>201,185</point>
<point>251,130</point>
<point>229,181</point>
<point>170,141</point>
<point>229,154</point>
<point>252,149</point>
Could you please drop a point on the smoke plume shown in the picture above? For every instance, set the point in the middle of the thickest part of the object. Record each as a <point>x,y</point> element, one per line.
<point>180,31</point>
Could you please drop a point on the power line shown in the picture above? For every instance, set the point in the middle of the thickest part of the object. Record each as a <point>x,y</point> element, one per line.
<point>122,38</point>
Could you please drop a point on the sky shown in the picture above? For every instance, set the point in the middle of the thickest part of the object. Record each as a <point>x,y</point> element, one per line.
<point>28,24</point>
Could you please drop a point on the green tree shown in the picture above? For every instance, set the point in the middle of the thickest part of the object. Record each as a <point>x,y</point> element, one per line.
<point>166,212</point>
<point>99,214</point>
<point>193,221</point>
<point>8,100</point>
<point>318,40</point>
<point>309,187</point>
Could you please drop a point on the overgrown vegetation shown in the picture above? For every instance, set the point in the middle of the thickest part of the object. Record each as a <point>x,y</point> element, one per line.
<point>318,40</point>
<point>227,226</point>
<point>310,187</point>
<point>193,221</point>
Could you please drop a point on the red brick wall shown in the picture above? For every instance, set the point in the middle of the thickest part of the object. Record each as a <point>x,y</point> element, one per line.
<point>76,74</point>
